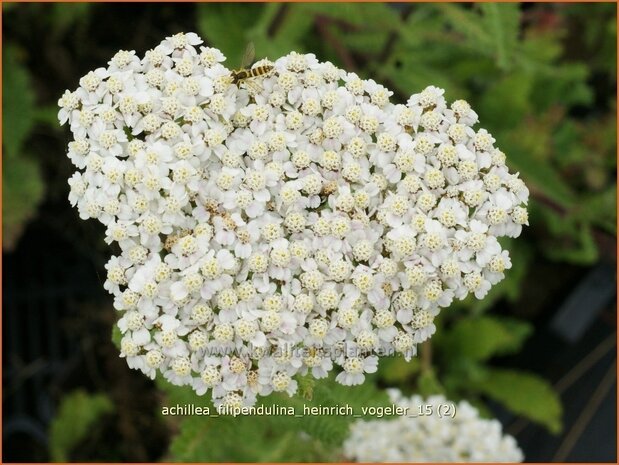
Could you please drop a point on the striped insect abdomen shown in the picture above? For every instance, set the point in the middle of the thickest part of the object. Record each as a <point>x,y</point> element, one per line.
<point>260,70</point>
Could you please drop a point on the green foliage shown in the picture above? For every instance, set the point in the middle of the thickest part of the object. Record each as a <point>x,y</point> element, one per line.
<point>492,29</point>
<point>578,244</point>
<point>22,183</point>
<point>181,395</point>
<point>373,17</point>
<point>271,438</point>
<point>77,415</point>
<point>116,336</point>
<point>524,394</point>
<point>464,351</point>
<point>64,18</point>
<point>599,210</point>
<point>394,370</point>
<point>228,28</point>
<point>231,29</point>
<point>428,384</point>
<point>592,27</point>
<point>240,439</point>
<point>22,190</point>
<point>18,101</point>
<point>483,337</point>
<point>503,23</point>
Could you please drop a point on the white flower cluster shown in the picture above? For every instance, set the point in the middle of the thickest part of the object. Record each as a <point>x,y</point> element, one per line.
<point>464,437</point>
<point>293,222</point>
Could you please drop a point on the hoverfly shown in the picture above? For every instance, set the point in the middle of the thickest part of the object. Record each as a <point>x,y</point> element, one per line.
<point>241,76</point>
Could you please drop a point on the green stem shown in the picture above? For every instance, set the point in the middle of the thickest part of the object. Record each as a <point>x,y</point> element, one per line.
<point>426,356</point>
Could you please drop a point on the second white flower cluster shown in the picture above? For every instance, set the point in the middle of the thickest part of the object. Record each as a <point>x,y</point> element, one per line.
<point>295,223</point>
<point>425,436</point>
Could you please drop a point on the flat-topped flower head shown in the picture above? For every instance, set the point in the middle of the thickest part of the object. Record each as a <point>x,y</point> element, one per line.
<point>300,208</point>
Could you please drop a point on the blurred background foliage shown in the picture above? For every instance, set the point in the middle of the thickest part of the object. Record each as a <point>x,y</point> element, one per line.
<point>542,78</point>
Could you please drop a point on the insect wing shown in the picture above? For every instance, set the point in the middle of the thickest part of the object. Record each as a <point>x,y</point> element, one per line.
<point>249,55</point>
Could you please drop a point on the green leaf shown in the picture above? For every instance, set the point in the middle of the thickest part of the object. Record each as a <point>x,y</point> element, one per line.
<point>296,23</point>
<point>18,102</point>
<point>46,115</point>
<point>502,20</point>
<point>410,72</point>
<point>22,184</point>
<point>372,16</point>
<point>306,386</point>
<point>576,243</point>
<point>461,376</point>
<point>116,336</point>
<point>273,437</point>
<point>524,394</point>
<point>528,147</point>
<point>331,430</point>
<point>65,16</point>
<point>22,191</point>
<point>395,370</point>
<point>78,413</point>
<point>513,92</point>
<point>581,249</point>
<point>367,42</point>
<point>243,439</point>
<point>229,28</point>
<point>181,395</point>
<point>484,337</point>
<point>567,84</point>
<point>428,384</point>
<point>468,24</point>
<point>600,209</point>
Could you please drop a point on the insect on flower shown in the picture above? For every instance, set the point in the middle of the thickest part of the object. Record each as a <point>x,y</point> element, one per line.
<point>241,76</point>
